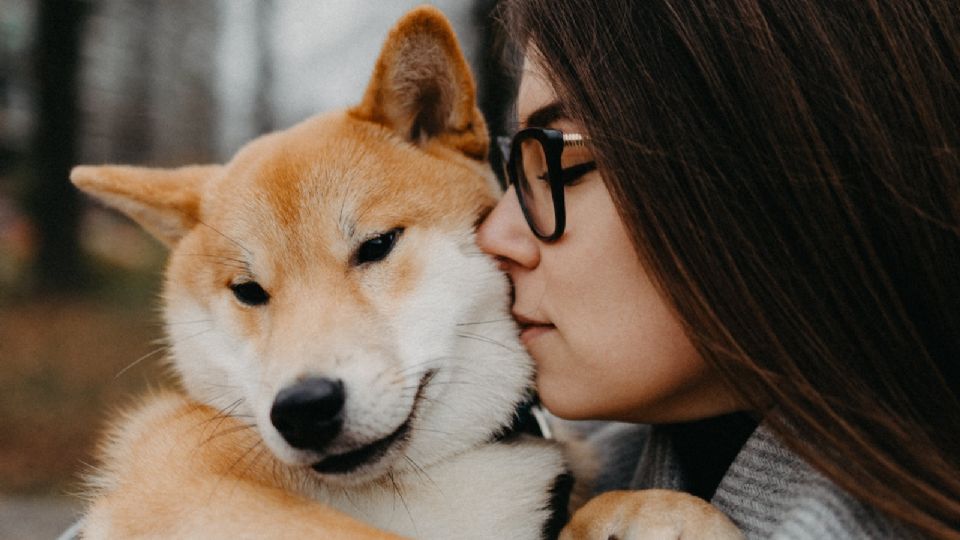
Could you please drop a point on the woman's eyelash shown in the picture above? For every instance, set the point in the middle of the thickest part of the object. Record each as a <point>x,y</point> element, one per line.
<point>570,175</point>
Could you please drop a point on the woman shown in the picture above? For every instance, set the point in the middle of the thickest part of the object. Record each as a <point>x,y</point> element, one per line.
<point>755,217</point>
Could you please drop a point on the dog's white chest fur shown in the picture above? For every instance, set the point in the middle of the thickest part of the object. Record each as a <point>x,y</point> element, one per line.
<point>499,490</point>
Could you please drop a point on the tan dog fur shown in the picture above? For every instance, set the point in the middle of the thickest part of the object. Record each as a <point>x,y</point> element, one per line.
<point>653,514</point>
<point>288,211</point>
<point>189,455</point>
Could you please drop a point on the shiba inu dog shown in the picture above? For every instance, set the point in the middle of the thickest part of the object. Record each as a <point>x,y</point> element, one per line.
<point>343,345</point>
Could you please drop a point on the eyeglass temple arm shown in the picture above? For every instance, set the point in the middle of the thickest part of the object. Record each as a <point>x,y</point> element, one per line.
<point>574,139</point>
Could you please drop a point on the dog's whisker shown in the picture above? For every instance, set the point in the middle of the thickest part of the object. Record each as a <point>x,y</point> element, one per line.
<point>239,475</point>
<point>421,473</point>
<point>223,261</point>
<point>456,383</point>
<point>430,362</point>
<point>485,339</point>
<point>399,492</point>
<point>435,401</point>
<point>177,323</point>
<point>428,430</point>
<point>345,493</point>
<point>216,398</point>
<point>227,431</point>
<point>218,257</point>
<point>238,267</point>
<point>492,321</point>
<point>222,415</point>
<point>256,444</point>
<point>163,348</point>
<point>131,365</point>
<point>214,229</point>
<point>229,411</point>
<point>254,461</point>
<point>210,384</point>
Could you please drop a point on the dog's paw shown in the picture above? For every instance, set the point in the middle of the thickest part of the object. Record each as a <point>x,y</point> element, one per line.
<point>652,514</point>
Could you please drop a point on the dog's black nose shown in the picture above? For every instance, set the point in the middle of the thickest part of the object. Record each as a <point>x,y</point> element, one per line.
<point>308,413</point>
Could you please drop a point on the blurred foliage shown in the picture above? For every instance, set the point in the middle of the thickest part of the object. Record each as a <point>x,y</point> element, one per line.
<point>68,359</point>
<point>61,359</point>
<point>78,337</point>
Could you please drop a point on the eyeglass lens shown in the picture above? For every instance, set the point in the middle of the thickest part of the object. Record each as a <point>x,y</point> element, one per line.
<point>534,186</point>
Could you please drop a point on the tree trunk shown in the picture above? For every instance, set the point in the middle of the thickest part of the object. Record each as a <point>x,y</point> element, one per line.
<point>264,114</point>
<point>52,203</point>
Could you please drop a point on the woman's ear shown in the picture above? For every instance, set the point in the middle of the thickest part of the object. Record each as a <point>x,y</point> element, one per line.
<point>422,87</point>
<point>165,202</point>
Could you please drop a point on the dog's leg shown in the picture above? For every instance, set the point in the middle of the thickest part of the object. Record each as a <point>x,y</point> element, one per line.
<point>652,514</point>
<point>180,470</point>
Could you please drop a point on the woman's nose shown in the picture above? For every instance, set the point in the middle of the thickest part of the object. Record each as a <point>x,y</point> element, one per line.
<point>506,235</point>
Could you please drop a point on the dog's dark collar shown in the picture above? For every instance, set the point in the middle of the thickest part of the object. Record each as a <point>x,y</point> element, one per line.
<point>528,419</point>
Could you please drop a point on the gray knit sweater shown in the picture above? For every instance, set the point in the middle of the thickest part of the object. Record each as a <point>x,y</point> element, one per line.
<point>768,491</point>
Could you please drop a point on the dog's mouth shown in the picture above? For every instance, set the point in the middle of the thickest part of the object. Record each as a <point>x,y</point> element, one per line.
<point>351,461</point>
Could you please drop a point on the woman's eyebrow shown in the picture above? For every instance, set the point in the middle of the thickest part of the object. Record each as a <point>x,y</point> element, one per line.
<point>544,116</point>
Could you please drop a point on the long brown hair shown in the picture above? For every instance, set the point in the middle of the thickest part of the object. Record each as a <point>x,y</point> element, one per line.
<point>790,174</point>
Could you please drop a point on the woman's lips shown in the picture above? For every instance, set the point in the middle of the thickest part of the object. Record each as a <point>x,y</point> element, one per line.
<point>529,333</point>
<point>530,329</point>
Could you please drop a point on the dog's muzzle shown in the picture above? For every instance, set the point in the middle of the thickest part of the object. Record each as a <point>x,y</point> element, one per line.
<point>370,453</point>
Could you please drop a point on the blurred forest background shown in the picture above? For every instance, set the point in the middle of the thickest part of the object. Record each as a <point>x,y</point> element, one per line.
<point>148,82</point>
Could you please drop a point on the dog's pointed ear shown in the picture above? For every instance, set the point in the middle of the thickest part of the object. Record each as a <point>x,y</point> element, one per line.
<point>422,87</point>
<point>165,202</point>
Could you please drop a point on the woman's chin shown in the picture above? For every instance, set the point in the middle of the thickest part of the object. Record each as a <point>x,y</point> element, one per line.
<point>561,403</point>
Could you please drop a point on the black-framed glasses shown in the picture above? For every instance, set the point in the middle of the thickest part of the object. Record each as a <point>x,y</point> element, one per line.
<point>533,164</point>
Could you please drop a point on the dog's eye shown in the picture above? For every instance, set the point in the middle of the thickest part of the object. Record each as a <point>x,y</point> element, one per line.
<point>377,248</point>
<point>250,293</point>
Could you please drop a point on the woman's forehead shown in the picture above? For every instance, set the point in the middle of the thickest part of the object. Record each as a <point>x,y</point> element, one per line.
<point>535,91</point>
